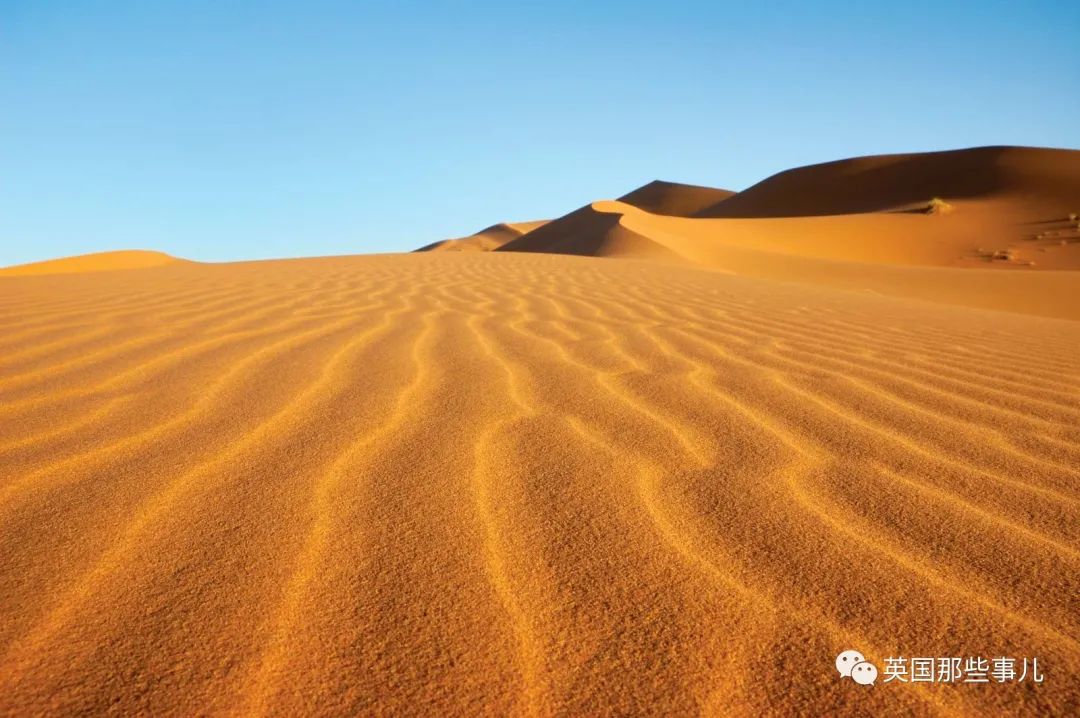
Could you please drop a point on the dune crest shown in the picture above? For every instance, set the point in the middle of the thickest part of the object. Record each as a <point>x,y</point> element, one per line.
<point>674,199</point>
<point>95,262</point>
<point>486,240</point>
<point>1040,180</point>
<point>905,225</point>
<point>595,230</point>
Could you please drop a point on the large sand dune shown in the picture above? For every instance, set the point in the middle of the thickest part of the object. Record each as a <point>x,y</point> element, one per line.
<point>657,197</point>
<point>674,199</point>
<point>1039,179</point>
<point>526,484</point>
<point>900,225</point>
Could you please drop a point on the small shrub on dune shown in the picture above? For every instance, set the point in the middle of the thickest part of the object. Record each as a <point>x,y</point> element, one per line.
<point>938,206</point>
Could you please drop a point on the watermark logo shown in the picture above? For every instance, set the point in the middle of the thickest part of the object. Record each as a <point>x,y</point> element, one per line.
<point>853,665</point>
<point>943,669</point>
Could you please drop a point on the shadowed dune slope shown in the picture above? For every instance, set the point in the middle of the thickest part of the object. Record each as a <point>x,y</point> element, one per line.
<point>525,484</point>
<point>97,262</point>
<point>1045,181</point>
<point>594,231</point>
<point>485,240</point>
<point>673,199</point>
<point>905,225</point>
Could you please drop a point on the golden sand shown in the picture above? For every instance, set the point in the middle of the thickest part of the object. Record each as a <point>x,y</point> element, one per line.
<point>97,262</point>
<point>523,484</point>
<point>676,477</point>
<point>486,239</point>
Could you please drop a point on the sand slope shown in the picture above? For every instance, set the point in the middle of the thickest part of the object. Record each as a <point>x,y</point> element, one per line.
<point>594,231</point>
<point>1042,180</point>
<point>903,225</point>
<point>657,197</point>
<point>96,262</point>
<point>525,484</point>
<point>486,239</point>
<point>674,199</point>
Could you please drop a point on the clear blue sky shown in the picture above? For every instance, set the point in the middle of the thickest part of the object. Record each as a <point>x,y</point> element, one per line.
<point>223,130</point>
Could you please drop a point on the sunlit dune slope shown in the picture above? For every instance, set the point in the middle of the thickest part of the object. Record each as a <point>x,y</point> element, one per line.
<point>1002,207</point>
<point>525,484</point>
<point>904,225</point>
<point>486,239</point>
<point>876,254</point>
<point>674,199</point>
<point>97,262</point>
<point>594,230</point>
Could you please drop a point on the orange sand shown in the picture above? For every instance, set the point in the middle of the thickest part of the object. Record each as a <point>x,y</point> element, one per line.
<point>519,483</point>
<point>677,200</point>
<point>486,239</point>
<point>98,262</point>
<point>860,225</point>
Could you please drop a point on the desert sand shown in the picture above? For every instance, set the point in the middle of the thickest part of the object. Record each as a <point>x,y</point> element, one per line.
<point>97,262</point>
<point>678,477</point>
<point>485,240</point>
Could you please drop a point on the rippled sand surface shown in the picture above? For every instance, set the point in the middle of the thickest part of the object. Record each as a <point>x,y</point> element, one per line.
<point>524,484</point>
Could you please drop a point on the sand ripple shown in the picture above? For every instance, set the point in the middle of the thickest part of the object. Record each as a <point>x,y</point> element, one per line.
<point>522,484</point>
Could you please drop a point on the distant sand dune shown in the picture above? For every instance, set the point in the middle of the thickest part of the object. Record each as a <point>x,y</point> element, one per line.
<point>97,262</point>
<point>674,199</point>
<point>530,484</point>
<point>1040,178</point>
<point>486,239</point>
<point>903,225</point>
<point>595,231</point>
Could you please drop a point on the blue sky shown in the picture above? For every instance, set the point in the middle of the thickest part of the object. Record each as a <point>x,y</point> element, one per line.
<point>233,130</point>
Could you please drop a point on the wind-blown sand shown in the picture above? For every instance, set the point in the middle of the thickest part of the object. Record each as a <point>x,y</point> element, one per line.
<point>521,483</point>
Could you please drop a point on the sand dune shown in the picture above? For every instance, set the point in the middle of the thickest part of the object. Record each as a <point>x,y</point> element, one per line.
<point>525,484</point>
<point>676,474</point>
<point>897,255</point>
<point>904,225</point>
<point>595,230</point>
<point>97,262</point>
<point>658,197</point>
<point>674,199</point>
<point>486,239</point>
<point>1041,180</point>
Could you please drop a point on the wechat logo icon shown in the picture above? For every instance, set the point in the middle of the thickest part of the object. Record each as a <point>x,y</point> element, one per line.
<point>853,665</point>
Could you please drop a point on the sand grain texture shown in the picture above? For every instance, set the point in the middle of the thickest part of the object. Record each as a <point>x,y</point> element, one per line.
<point>525,484</point>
